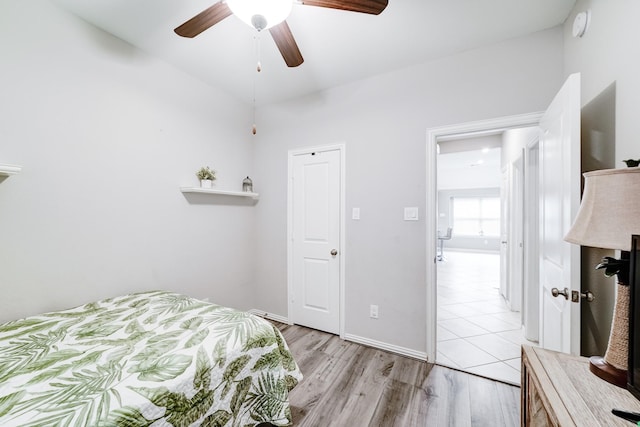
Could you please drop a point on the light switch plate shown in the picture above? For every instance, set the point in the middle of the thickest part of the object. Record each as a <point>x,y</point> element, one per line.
<point>410,214</point>
<point>355,213</point>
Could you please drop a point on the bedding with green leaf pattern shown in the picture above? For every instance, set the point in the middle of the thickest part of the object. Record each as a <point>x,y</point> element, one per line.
<point>147,359</point>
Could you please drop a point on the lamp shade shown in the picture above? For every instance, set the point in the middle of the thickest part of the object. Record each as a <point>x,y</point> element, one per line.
<point>610,210</point>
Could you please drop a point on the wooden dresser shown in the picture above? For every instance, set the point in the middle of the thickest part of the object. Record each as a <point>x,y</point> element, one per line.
<point>559,390</point>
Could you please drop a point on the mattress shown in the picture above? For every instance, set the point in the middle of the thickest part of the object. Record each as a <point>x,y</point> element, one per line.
<point>147,359</point>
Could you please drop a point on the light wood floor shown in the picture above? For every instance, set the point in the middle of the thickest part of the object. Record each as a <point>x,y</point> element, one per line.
<point>347,384</point>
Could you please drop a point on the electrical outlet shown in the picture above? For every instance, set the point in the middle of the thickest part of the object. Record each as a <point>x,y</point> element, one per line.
<point>373,311</point>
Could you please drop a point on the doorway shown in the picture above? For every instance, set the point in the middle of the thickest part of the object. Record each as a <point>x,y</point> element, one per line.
<point>480,275</point>
<point>498,313</point>
<point>558,150</point>
<point>316,238</point>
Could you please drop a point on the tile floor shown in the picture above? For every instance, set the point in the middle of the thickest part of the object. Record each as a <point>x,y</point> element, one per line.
<point>477,332</point>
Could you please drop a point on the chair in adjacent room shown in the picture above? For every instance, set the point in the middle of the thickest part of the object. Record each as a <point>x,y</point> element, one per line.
<point>441,239</point>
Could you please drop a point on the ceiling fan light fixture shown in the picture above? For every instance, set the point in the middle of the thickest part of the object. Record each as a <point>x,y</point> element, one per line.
<point>261,14</point>
<point>259,22</point>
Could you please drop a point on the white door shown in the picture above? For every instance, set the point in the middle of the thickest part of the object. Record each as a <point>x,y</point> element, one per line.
<point>516,245</point>
<point>559,202</point>
<point>315,238</point>
<point>531,270</point>
<point>504,235</point>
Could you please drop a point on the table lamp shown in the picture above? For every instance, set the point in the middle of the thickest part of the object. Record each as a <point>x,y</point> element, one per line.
<point>609,214</point>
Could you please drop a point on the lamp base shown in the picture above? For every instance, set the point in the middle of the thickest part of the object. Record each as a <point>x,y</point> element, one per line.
<point>607,372</point>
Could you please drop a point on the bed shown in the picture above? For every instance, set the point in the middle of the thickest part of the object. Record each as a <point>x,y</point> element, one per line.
<point>147,359</point>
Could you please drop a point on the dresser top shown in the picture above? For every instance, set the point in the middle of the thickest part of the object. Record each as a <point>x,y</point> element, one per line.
<point>577,396</point>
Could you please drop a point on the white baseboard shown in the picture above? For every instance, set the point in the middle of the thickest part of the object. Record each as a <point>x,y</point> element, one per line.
<point>420,355</point>
<point>270,316</point>
<point>471,251</point>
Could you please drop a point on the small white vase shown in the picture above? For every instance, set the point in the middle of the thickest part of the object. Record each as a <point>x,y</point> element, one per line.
<point>206,183</point>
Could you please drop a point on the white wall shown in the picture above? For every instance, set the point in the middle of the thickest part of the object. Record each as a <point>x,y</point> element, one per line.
<point>455,171</point>
<point>107,135</point>
<point>445,219</point>
<point>609,53</point>
<point>480,177</point>
<point>383,121</point>
<point>458,178</point>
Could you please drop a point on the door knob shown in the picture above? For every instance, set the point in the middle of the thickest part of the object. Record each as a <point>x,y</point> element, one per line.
<point>588,295</point>
<point>565,292</point>
<point>334,252</point>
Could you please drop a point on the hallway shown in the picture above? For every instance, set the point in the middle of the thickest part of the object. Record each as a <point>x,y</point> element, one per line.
<point>477,332</point>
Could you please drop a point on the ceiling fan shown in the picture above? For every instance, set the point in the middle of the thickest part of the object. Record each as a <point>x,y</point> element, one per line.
<point>271,15</point>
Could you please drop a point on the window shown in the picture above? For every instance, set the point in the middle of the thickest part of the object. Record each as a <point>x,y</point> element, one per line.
<point>476,216</point>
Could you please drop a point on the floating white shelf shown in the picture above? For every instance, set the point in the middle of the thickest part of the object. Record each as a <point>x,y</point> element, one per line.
<point>6,170</point>
<point>213,191</point>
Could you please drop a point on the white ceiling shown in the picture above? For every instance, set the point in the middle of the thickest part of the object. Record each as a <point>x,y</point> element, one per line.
<point>466,159</point>
<point>488,159</point>
<point>338,46</point>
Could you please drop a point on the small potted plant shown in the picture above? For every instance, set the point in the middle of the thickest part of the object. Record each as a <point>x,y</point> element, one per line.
<point>206,175</point>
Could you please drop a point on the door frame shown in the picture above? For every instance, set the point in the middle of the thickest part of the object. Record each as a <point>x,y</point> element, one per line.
<point>516,234</point>
<point>341,251</point>
<point>505,212</point>
<point>433,135</point>
<point>531,267</point>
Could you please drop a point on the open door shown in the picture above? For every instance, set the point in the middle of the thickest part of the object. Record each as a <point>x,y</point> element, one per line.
<point>531,265</point>
<point>505,194</point>
<point>511,235</point>
<point>516,244</point>
<point>559,194</point>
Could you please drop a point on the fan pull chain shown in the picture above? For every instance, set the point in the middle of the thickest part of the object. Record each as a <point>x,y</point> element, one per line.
<point>254,129</point>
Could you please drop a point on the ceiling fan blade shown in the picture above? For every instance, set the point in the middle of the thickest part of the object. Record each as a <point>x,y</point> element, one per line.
<point>373,7</point>
<point>287,45</point>
<point>204,20</point>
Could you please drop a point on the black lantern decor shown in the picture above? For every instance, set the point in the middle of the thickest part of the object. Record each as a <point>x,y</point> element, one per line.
<point>247,185</point>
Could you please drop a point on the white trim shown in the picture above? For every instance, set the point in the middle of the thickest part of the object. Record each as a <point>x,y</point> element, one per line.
<point>270,316</point>
<point>532,248</point>
<point>431,224</point>
<point>433,134</point>
<point>421,355</point>
<point>342,250</point>
<point>483,126</point>
<point>6,170</point>
<point>474,251</point>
